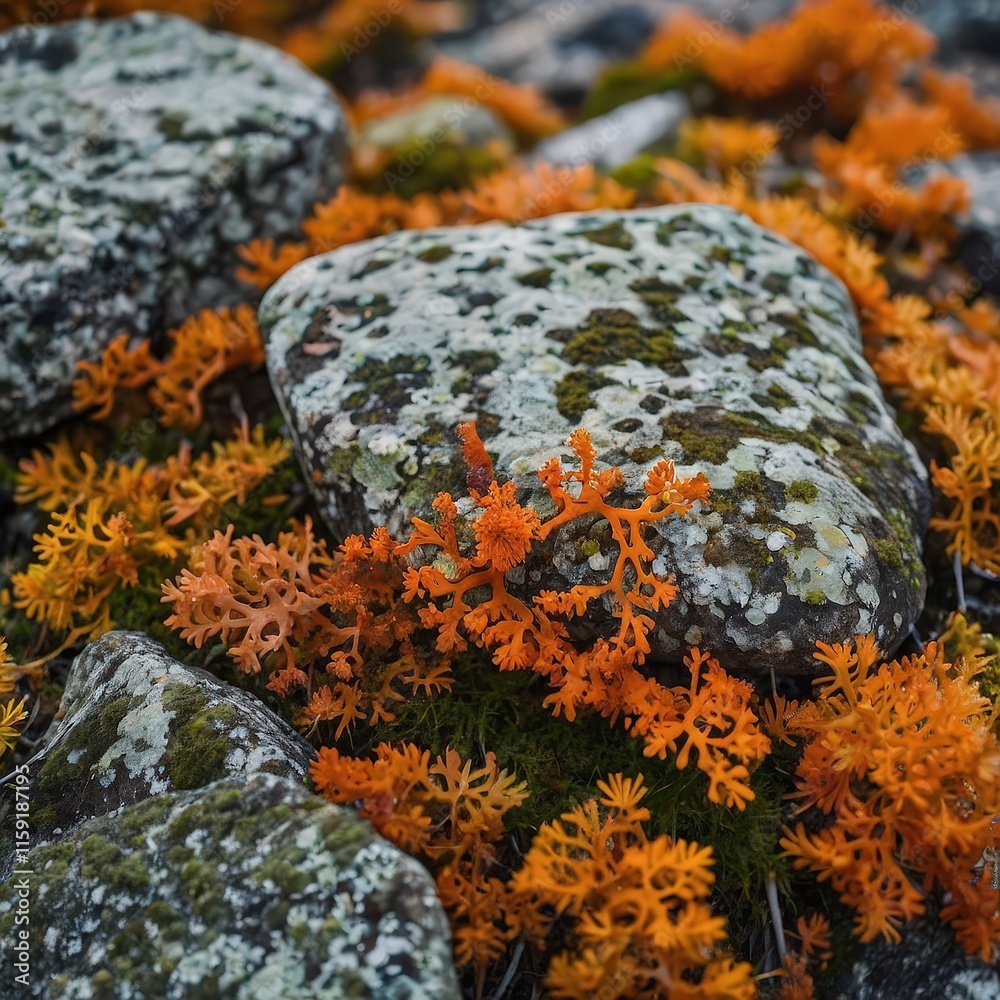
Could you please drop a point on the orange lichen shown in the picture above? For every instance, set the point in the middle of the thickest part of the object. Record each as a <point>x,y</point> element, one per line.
<point>901,756</point>
<point>721,144</point>
<point>840,47</point>
<point>107,519</point>
<point>201,349</point>
<point>634,910</point>
<point>333,626</point>
<point>447,813</point>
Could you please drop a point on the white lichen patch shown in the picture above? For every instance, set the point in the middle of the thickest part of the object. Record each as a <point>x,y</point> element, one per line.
<point>683,332</point>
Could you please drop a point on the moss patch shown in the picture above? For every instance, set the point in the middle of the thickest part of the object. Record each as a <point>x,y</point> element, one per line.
<point>575,392</point>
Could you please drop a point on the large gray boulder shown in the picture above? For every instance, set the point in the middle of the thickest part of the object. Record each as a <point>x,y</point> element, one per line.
<point>684,332</point>
<point>249,889</point>
<point>135,155</point>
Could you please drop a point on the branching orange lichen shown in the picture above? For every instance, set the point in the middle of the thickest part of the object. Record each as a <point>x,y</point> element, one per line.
<point>901,756</point>
<point>841,47</point>
<point>635,910</point>
<point>108,519</point>
<point>447,813</point>
<point>334,627</point>
<point>720,144</point>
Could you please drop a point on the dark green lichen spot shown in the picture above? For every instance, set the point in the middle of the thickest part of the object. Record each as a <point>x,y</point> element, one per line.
<point>660,297</point>
<point>574,392</point>
<point>610,336</point>
<point>366,307</point>
<point>599,267</point>
<point>435,254</point>
<point>475,363</point>
<point>342,459</point>
<point>539,278</point>
<point>372,265</point>
<point>614,234</point>
<point>387,385</point>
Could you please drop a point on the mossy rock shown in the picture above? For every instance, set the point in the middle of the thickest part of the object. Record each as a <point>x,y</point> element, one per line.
<point>136,723</point>
<point>248,888</point>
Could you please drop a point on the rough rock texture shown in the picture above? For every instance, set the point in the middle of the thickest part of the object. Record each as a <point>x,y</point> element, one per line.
<point>134,156</point>
<point>247,889</point>
<point>137,723</point>
<point>926,965</point>
<point>687,333</point>
<point>611,140</point>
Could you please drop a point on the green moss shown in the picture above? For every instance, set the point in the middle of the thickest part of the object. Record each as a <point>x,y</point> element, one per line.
<point>802,489</point>
<point>814,597</point>
<point>574,392</point>
<point>535,279</point>
<point>560,761</point>
<point>628,81</point>
<point>198,742</point>
<point>342,459</point>
<point>699,442</point>
<point>610,336</point>
<point>599,267</point>
<point>106,864</point>
<point>643,455</point>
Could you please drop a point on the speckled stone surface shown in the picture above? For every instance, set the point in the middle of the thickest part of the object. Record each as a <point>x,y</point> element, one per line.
<point>927,964</point>
<point>687,333</point>
<point>244,890</point>
<point>136,723</point>
<point>135,154</point>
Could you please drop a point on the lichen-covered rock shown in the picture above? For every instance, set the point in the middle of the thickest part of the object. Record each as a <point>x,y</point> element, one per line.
<point>135,155</point>
<point>687,333</point>
<point>135,722</point>
<point>247,889</point>
<point>443,142</point>
<point>927,964</point>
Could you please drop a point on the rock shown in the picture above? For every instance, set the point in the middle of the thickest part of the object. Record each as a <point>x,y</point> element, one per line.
<point>559,47</point>
<point>135,723</point>
<point>444,142</point>
<point>611,140</point>
<point>958,24</point>
<point>926,965</point>
<point>979,243</point>
<point>684,332</point>
<point>135,154</point>
<point>249,888</point>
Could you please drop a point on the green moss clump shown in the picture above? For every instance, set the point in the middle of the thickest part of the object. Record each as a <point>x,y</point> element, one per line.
<point>802,489</point>
<point>386,386</point>
<point>197,747</point>
<point>610,336</point>
<point>575,392</point>
<point>628,81</point>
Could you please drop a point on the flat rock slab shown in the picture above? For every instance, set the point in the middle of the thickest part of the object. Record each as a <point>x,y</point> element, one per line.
<point>135,155</point>
<point>135,722</point>
<point>244,890</point>
<point>685,332</point>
